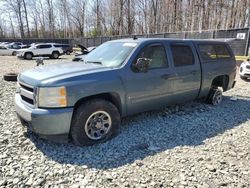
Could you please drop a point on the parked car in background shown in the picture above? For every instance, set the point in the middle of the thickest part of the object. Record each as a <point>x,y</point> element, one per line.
<point>85,101</point>
<point>245,69</point>
<point>84,50</point>
<point>4,43</point>
<point>42,49</point>
<point>16,43</point>
<point>13,46</point>
<point>20,44</point>
<point>80,57</point>
<point>5,50</point>
<point>67,49</point>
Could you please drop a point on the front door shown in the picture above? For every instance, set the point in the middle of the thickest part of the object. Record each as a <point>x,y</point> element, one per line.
<point>153,89</point>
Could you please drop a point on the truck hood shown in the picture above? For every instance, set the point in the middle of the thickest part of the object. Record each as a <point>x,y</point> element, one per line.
<point>50,73</point>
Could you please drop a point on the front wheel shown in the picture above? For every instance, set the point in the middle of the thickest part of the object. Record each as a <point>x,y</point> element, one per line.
<point>214,97</point>
<point>94,122</point>
<point>55,55</point>
<point>28,56</point>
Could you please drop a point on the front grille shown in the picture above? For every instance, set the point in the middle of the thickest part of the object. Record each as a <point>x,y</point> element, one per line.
<point>26,99</point>
<point>26,87</point>
<point>27,93</point>
<point>248,66</point>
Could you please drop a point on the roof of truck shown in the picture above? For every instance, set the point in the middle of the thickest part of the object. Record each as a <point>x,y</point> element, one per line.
<point>141,40</point>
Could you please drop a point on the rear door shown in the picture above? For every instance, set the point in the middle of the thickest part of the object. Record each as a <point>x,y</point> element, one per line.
<point>42,49</point>
<point>153,89</point>
<point>187,82</point>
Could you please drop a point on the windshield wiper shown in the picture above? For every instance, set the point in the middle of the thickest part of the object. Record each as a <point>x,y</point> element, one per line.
<point>95,62</point>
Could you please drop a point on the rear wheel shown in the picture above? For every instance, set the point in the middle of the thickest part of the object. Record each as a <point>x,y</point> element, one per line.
<point>68,52</point>
<point>215,96</point>
<point>94,122</point>
<point>28,56</point>
<point>14,53</point>
<point>55,55</point>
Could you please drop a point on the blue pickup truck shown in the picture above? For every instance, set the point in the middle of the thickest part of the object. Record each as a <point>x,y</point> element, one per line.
<point>84,101</point>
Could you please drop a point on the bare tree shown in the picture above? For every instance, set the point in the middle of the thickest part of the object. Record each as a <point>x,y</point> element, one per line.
<point>74,18</point>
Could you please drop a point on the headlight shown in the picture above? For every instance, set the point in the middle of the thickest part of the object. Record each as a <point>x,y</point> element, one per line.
<point>52,97</point>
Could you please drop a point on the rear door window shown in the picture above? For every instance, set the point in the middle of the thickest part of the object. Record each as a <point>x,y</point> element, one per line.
<point>207,52</point>
<point>222,52</point>
<point>214,51</point>
<point>182,55</point>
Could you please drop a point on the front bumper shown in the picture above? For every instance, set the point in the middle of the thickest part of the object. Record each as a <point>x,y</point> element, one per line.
<point>45,122</point>
<point>244,72</point>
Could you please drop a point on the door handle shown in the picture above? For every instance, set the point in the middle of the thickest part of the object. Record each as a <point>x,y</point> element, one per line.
<point>167,76</point>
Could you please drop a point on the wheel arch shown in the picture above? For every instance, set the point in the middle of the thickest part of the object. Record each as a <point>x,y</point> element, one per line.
<point>112,97</point>
<point>55,51</point>
<point>14,53</point>
<point>220,81</point>
<point>28,52</point>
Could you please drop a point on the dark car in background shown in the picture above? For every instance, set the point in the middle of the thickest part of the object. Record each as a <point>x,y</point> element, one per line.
<point>84,52</point>
<point>67,49</point>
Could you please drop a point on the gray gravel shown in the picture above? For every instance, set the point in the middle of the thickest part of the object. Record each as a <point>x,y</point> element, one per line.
<point>190,145</point>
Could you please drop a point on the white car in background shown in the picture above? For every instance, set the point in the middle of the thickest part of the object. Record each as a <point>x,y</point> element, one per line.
<point>38,50</point>
<point>5,50</point>
<point>245,69</point>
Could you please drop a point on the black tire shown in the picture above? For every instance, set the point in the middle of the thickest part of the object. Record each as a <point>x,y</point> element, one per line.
<point>28,56</point>
<point>214,96</point>
<point>55,55</point>
<point>10,77</point>
<point>84,117</point>
<point>14,53</point>
<point>67,52</point>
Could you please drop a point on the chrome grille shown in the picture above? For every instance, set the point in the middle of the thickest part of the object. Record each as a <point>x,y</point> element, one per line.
<point>27,93</point>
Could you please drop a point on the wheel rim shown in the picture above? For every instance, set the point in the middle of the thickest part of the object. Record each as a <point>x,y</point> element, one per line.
<point>28,56</point>
<point>55,55</point>
<point>217,98</point>
<point>98,125</point>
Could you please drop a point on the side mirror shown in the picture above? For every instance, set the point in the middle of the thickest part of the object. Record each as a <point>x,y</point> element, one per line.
<point>142,64</point>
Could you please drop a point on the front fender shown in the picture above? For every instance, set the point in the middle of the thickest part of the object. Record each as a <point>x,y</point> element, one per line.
<point>93,87</point>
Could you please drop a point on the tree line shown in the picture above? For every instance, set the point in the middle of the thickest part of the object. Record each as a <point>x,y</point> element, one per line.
<point>88,18</point>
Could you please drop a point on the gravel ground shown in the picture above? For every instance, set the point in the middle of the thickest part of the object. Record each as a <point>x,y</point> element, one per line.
<point>191,145</point>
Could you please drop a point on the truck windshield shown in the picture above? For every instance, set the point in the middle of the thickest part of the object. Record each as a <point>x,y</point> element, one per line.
<point>110,54</point>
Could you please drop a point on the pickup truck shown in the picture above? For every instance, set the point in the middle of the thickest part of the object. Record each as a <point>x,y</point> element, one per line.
<point>84,101</point>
